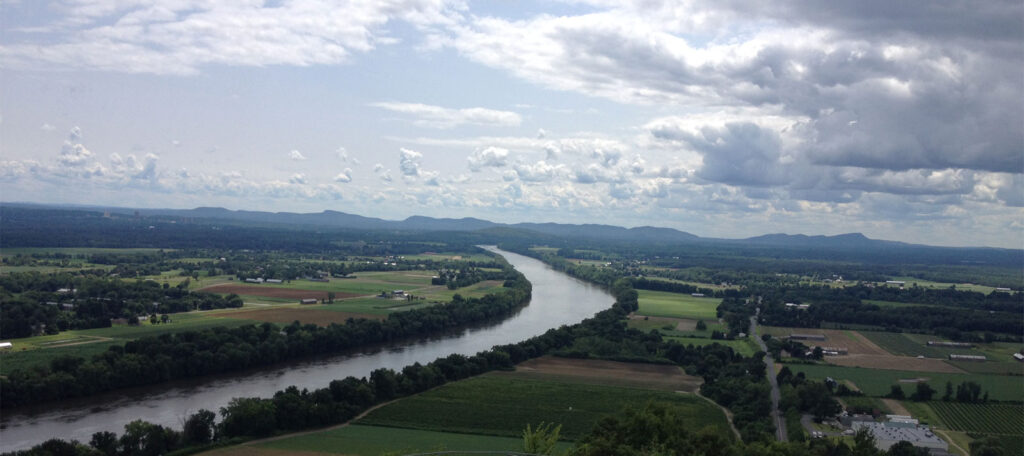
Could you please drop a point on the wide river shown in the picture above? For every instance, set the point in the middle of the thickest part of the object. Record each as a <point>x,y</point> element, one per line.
<point>557,300</point>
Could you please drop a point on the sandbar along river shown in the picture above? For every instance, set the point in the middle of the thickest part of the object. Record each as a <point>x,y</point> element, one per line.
<point>557,300</point>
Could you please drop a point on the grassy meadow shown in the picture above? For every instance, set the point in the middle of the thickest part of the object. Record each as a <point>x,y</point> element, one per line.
<point>678,305</point>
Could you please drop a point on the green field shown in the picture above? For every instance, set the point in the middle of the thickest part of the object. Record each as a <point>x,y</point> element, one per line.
<point>865,402</point>
<point>745,347</point>
<point>668,329</point>
<point>911,281</point>
<point>503,406</point>
<point>909,345</point>
<point>678,305</point>
<point>73,250</point>
<point>984,418</point>
<point>375,440</point>
<point>39,350</point>
<point>876,382</point>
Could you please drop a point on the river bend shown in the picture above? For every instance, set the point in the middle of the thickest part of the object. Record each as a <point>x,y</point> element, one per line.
<point>557,300</point>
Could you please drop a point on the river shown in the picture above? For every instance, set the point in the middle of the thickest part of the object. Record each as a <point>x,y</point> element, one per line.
<point>557,300</point>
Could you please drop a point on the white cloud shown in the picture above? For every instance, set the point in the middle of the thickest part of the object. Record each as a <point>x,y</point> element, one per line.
<point>538,172</point>
<point>490,157</point>
<point>409,162</point>
<point>181,37</point>
<point>345,176</point>
<point>47,127</point>
<point>298,179</point>
<point>439,117</point>
<point>296,155</point>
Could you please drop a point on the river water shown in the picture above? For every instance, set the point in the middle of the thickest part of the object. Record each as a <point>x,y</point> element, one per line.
<point>557,300</point>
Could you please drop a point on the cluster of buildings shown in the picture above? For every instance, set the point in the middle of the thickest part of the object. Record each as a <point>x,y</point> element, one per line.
<point>894,429</point>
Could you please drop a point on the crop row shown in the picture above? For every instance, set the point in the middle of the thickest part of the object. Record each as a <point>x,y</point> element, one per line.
<point>987,418</point>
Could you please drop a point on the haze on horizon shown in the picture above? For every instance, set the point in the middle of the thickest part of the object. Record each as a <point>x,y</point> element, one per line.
<point>901,120</point>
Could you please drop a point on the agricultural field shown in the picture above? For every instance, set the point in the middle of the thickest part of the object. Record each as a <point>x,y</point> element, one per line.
<point>911,281</point>
<point>866,403</point>
<point>999,354</point>
<point>863,352</point>
<point>305,315</point>
<point>609,373</point>
<point>876,382</point>
<point>40,350</point>
<point>677,305</point>
<point>682,327</point>
<point>981,418</point>
<point>472,406</point>
<point>375,440</point>
<point>745,346</point>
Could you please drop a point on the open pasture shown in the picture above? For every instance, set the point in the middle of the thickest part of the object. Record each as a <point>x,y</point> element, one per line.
<point>269,291</point>
<point>984,418</point>
<point>876,382</point>
<point>375,440</point>
<point>911,281</point>
<point>677,305</point>
<point>745,347</point>
<point>501,405</point>
<point>288,314</point>
<point>609,373</point>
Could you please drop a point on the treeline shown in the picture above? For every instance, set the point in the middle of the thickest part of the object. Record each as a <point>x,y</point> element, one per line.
<point>642,283</point>
<point>951,322</point>
<point>947,297</point>
<point>35,303</point>
<point>151,360</point>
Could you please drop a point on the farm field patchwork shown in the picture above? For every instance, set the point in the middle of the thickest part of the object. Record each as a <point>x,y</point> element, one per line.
<point>876,382</point>
<point>609,373</point>
<point>678,305</point>
<point>457,407</point>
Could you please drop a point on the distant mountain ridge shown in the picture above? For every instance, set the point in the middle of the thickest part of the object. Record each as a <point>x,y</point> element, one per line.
<point>336,219</point>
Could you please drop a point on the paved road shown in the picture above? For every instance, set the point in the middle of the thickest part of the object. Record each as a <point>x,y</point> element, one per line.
<point>780,422</point>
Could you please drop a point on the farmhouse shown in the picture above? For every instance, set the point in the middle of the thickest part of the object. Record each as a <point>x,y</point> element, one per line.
<point>941,343</point>
<point>1003,289</point>
<point>890,433</point>
<point>398,293</point>
<point>256,280</point>
<point>273,280</point>
<point>1018,356</point>
<point>807,336</point>
<point>895,282</point>
<point>6,345</point>
<point>307,301</point>
<point>967,357</point>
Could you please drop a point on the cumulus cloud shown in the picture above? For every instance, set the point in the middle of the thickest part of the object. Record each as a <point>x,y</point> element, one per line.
<point>440,117</point>
<point>345,176</point>
<point>297,178</point>
<point>47,127</point>
<point>296,155</point>
<point>538,172</point>
<point>490,157</point>
<point>409,162</point>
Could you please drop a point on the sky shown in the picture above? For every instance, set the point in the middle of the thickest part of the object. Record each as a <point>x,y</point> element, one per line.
<point>901,120</point>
